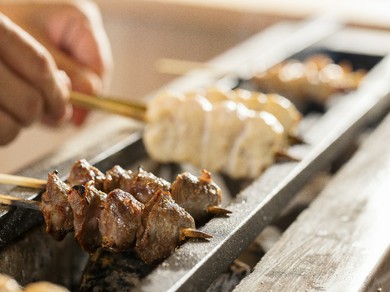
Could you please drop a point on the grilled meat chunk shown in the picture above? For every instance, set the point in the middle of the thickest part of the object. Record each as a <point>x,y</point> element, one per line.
<point>119,221</point>
<point>143,184</point>
<point>55,207</point>
<point>196,194</point>
<point>86,202</point>
<point>113,178</point>
<point>163,222</point>
<point>83,172</point>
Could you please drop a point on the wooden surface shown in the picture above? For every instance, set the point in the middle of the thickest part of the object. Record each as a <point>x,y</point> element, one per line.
<point>341,243</point>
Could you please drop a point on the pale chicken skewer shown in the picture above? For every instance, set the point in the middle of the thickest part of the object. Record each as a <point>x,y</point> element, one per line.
<point>214,131</point>
<point>213,125</point>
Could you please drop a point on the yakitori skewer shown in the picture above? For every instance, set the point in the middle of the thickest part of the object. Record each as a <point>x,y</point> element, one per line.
<point>199,196</point>
<point>315,78</point>
<point>236,132</point>
<point>115,220</point>
<point>154,233</point>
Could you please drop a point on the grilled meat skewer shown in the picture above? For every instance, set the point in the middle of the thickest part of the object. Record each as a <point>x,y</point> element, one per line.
<point>117,221</point>
<point>200,198</point>
<point>316,78</point>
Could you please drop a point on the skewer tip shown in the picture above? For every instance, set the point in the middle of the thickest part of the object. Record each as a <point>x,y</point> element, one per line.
<point>193,233</point>
<point>286,156</point>
<point>296,140</point>
<point>217,210</point>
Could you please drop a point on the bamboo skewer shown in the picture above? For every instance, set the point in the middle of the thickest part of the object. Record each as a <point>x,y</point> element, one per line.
<point>217,210</point>
<point>284,155</point>
<point>22,181</point>
<point>18,202</point>
<point>193,233</point>
<point>110,104</point>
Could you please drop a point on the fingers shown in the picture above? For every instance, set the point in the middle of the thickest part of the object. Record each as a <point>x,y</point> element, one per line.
<point>78,30</point>
<point>32,63</point>
<point>85,51</point>
<point>9,128</point>
<point>18,99</point>
<point>31,87</point>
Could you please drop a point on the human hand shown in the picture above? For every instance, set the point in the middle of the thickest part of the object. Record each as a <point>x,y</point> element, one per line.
<point>73,33</point>
<point>31,86</point>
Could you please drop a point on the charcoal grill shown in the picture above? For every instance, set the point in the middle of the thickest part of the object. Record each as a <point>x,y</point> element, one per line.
<point>328,134</point>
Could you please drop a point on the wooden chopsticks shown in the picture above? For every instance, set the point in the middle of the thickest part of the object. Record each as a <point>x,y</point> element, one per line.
<point>113,105</point>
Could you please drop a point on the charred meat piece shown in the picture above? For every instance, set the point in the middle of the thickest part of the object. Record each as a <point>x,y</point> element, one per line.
<point>86,202</point>
<point>55,207</point>
<point>119,220</point>
<point>114,176</point>
<point>196,194</point>
<point>163,222</point>
<point>143,184</point>
<point>83,172</point>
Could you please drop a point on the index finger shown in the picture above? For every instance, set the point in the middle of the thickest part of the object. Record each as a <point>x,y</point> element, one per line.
<point>32,62</point>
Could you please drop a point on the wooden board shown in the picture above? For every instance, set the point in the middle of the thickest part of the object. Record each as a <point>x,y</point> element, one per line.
<point>341,242</point>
